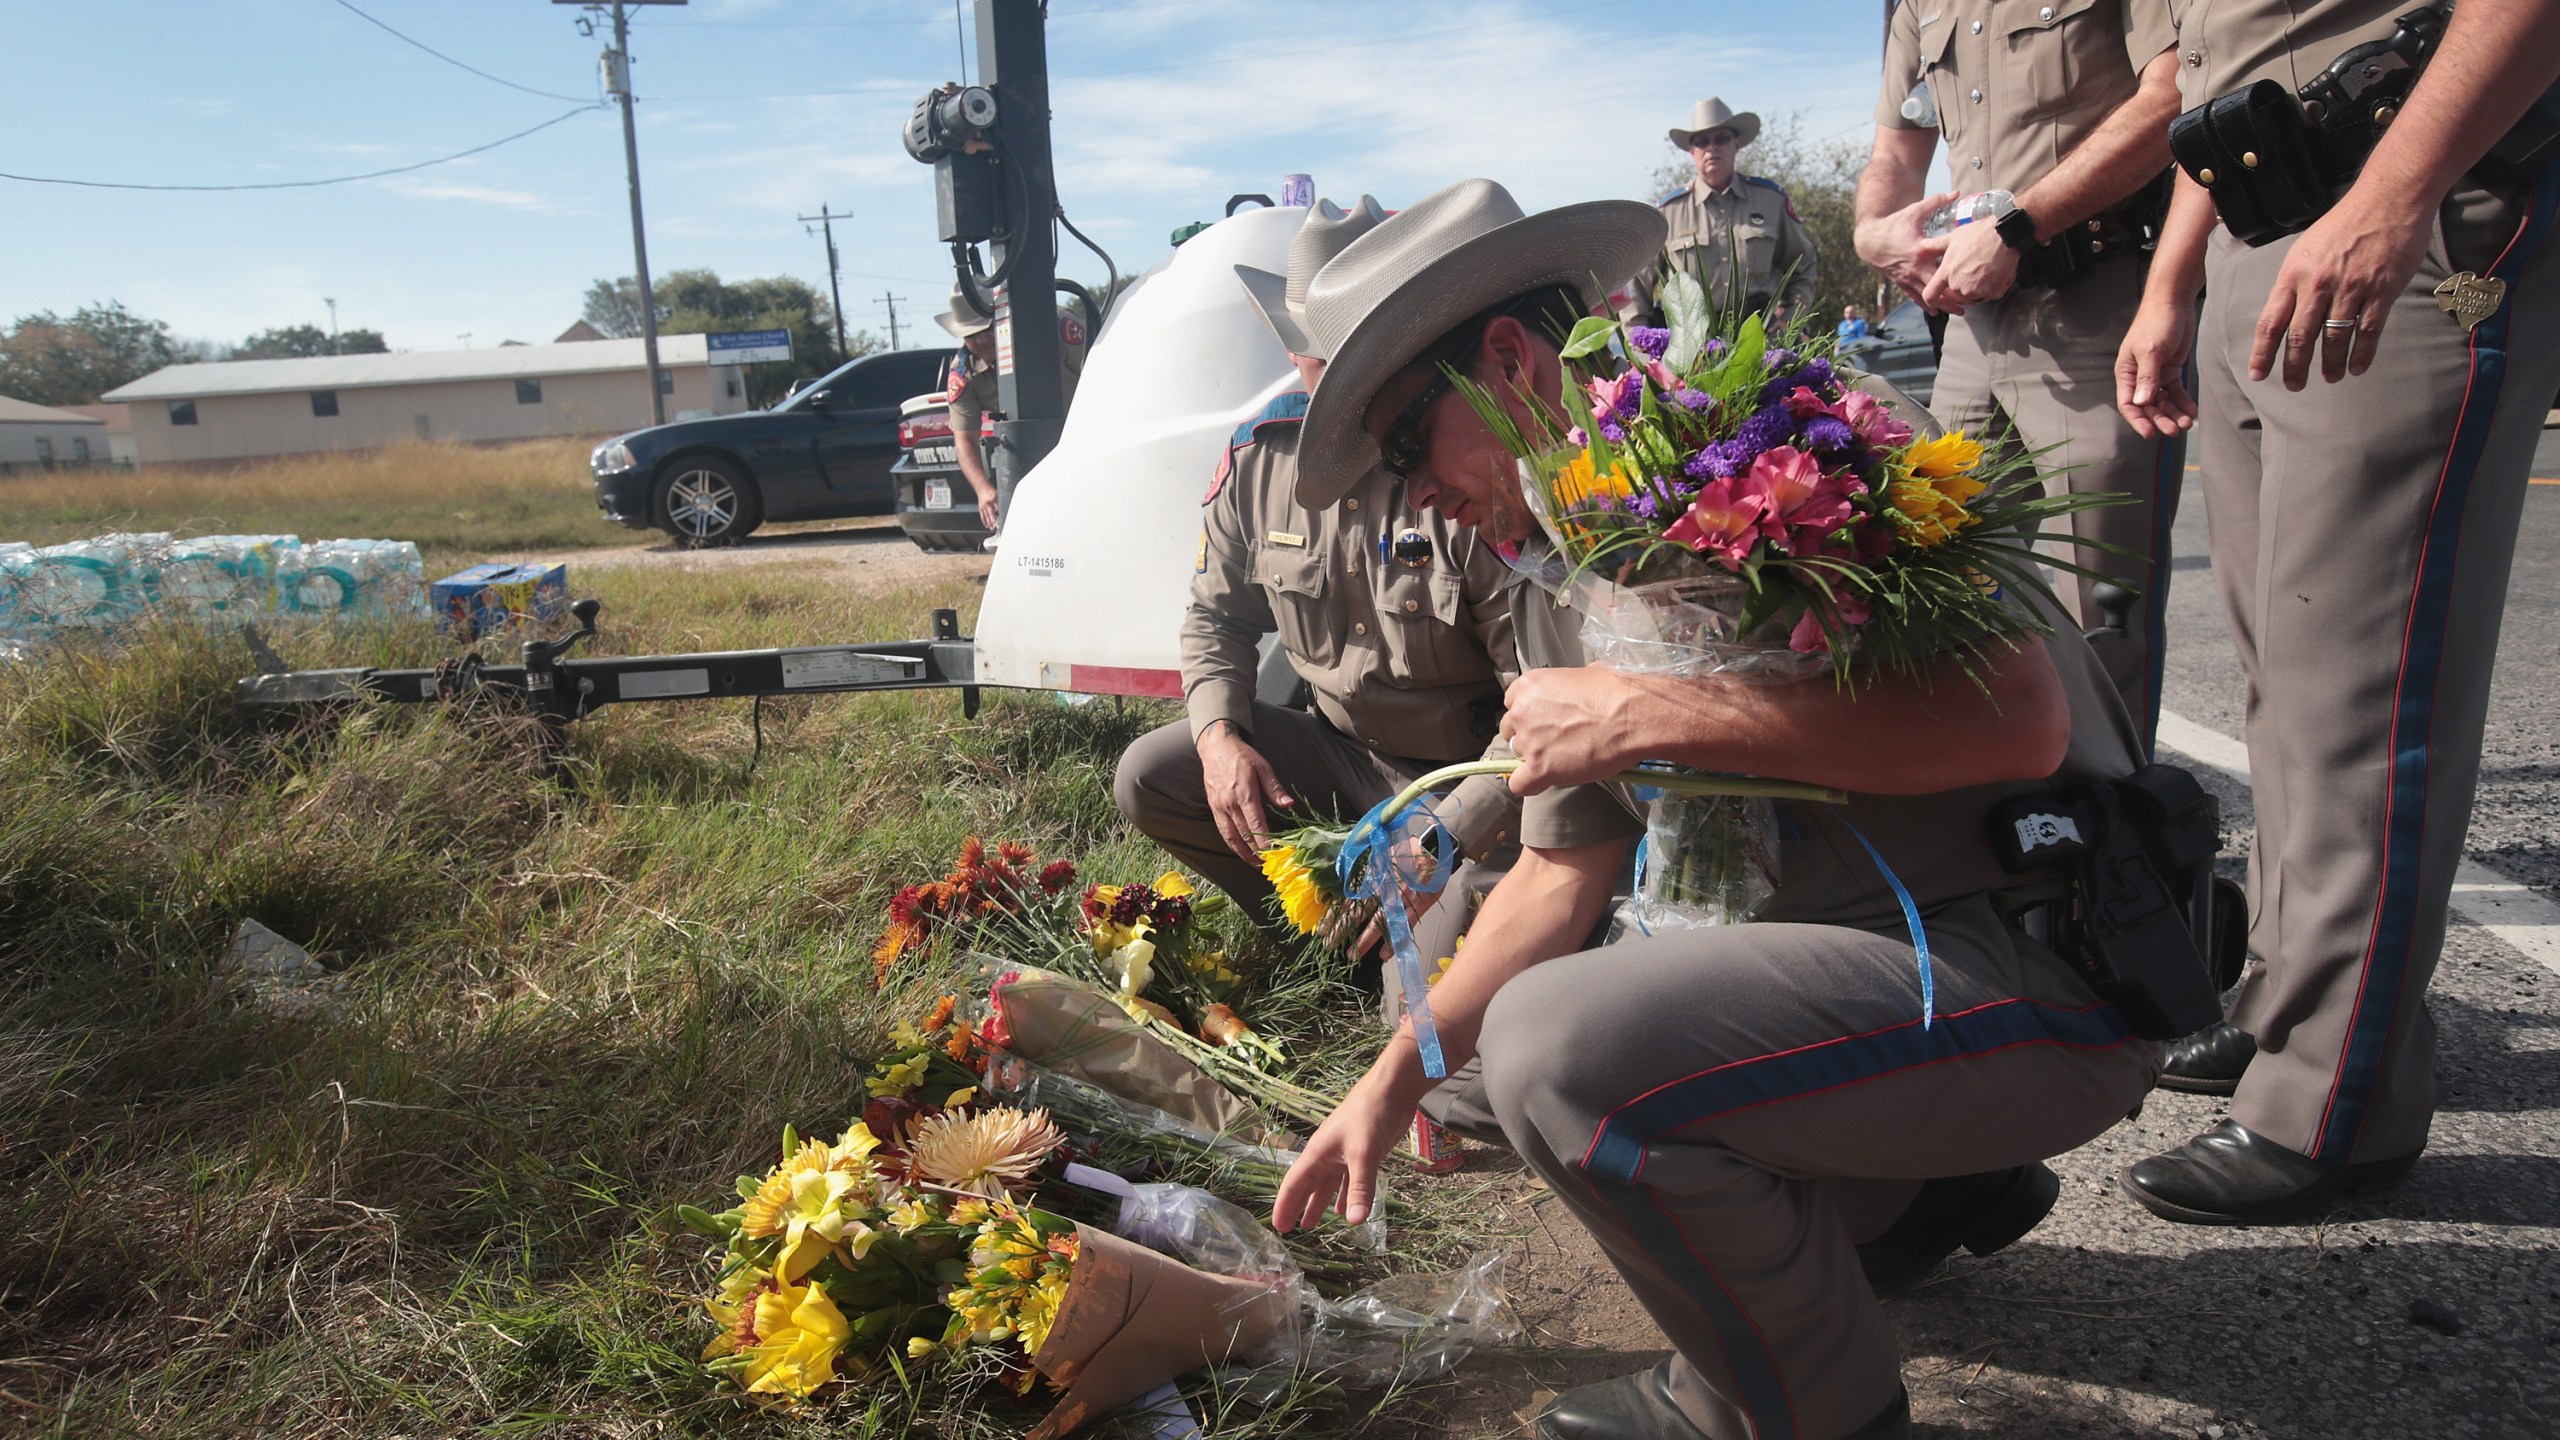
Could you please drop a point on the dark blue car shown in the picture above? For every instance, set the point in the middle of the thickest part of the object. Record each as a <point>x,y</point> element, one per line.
<point>823,454</point>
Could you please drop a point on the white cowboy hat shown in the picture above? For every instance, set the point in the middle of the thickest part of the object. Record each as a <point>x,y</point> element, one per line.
<point>1283,299</point>
<point>964,318</point>
<point>1712,114</point>
<point>1396,290</point>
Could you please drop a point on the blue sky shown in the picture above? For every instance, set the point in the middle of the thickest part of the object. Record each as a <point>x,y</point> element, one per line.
<point>755,111</point>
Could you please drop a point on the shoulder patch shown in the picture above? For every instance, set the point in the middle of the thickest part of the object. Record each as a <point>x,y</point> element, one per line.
<point>1783,197</point>
<point>1671,199</point>
<point>1287,409</point>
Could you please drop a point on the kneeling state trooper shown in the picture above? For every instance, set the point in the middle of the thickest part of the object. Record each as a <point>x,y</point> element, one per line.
<point>1730,1111</point>
<point>1395,619</point>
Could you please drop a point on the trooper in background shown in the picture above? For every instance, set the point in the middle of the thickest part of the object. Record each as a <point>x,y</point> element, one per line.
<point>2059,115</point>
<point>2363,521</point>
<point>973,393</point>
<point>1396,619</point>
<point>1722,214</point>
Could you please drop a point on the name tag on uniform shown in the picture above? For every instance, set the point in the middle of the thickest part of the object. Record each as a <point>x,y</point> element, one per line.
<point>1283,537</point>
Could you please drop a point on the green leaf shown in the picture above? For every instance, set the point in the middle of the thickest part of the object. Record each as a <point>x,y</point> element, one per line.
<point>1684,305</point>
<point>1589,337</point>
<point>1750,345</point>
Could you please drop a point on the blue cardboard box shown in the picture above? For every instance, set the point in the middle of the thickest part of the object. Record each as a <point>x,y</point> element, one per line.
<point>486,599</point>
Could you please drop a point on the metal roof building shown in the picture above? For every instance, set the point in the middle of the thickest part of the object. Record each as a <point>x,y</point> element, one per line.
<point>41,437</point>
<point>241,409</point>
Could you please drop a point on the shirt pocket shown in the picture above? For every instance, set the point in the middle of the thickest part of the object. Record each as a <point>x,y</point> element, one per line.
<point>2057,47</point>
<point>1421,631</point>
<point>1302,605</point>
<point>1938,68</point>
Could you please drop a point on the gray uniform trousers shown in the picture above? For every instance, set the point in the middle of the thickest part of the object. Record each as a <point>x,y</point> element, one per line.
<point>2361,536</point>
<point>2043,361</point>
<point>1730,1111</point>
<point>1162,792</point>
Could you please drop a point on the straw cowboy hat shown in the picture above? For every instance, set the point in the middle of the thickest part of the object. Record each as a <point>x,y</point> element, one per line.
<point>1283,299</point>
<point>1422,273</point>
<point>963,319</point>
<point>1712,114</point>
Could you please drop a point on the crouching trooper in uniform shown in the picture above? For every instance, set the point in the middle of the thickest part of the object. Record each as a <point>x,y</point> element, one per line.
<point>2364,518</point>
<point>2060,114</point>
<point>1728,1110</point>
<point>974,394</point>
<point>1396,619</point>
<point>1723,219</point>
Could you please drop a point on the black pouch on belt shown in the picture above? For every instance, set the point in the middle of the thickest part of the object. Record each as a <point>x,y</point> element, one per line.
<point>2253,150</point>
<point>2143,919</point>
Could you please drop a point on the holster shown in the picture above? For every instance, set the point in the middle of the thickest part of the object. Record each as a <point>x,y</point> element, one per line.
<point>2131,228</point>
<point>2253,150</point>
<point>2142,925</point>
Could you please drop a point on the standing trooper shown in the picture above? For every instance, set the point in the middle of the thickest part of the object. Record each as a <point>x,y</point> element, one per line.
<point>1728,1109</point>
<point>2059,114</point>
<point>2363,521</point>
<point>974,396</point>
<point>1396,620</point>
<point>1722,213</point>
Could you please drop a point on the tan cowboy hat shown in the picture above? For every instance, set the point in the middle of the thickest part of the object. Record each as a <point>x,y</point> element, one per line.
<point>1283,299</point>
<point>964,318</point>
<point>1712,114</point>
<point>1422,273</point>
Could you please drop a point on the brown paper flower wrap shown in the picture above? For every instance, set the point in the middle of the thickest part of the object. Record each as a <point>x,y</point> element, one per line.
<point>1083,1034</point>
<point>1134,1319</point>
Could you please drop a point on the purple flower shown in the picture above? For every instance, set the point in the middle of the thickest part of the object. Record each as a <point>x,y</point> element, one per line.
<point>1769,426</point>
<point>1577,437</point>
<point>1694,401</point>
<point>1721,461</point>
<point>1828,434</point>
<point>1645,505</point>
<point>1714,348</point>
<point>1779,357</point>
<point>1650,339</point>
<point>1815,375</point>
<point>1612,431</point>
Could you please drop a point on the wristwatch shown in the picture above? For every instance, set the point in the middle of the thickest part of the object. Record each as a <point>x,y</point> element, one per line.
<point>2017,229</point>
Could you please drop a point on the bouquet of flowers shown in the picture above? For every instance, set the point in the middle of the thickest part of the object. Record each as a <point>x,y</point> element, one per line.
<point>1727,502</point>
<point>978,887</point>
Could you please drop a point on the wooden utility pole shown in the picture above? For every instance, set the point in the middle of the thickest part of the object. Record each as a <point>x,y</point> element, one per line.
<point>835,292</point>
<point>617,83</point>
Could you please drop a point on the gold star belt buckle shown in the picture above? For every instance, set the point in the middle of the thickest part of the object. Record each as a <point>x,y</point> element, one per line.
<point>2471,298</point>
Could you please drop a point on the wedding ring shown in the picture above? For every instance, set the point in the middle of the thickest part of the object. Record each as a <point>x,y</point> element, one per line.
<point>2337,324</point>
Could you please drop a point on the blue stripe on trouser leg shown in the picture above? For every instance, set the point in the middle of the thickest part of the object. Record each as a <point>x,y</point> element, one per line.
<point>2395,920</point>
<point>1614,1163</point>
<point>2168,483</point>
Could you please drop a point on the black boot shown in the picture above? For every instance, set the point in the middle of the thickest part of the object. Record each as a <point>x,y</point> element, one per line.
<point>1639,1407</point>
<point>2228,1176</point>
<point>1982,1213</point>
<point>2209,1062</point>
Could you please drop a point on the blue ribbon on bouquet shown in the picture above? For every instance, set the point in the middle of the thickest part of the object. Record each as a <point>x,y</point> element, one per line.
<point>1369,870</point>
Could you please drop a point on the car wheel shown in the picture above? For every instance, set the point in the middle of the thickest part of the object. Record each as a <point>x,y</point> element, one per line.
<point>705,501</point>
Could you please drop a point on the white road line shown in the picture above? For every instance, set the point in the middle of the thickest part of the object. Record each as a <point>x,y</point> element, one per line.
<point>2513,912</point>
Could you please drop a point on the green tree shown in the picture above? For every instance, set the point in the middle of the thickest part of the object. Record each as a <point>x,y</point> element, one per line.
<point>53,361</point>
<point>1820,177</point>
<point>298,341</point>
<point>699,302</point>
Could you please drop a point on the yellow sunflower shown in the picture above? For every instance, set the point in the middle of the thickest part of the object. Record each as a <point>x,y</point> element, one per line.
<point>1301,898</point>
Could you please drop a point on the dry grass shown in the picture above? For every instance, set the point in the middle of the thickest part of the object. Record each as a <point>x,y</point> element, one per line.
<point>444,1211</point>
<point>458,502</point>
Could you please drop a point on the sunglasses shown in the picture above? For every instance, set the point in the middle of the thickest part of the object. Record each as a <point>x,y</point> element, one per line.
<point>1402,448</point>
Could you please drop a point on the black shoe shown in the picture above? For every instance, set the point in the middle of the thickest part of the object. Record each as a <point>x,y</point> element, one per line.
<point>2209,1062</point>
<point>1639,1407</point>
<point>1982,1213</point>
<point>2228,1176</point>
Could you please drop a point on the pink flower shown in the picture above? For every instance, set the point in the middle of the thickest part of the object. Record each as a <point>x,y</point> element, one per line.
<point>1805,506</point>
<point>1618,398</point>
<point>1872,421</point>
<point>1661,376</point>
<point>1726,520</point>
<point>1803,404</point>
<point>1807,637</point>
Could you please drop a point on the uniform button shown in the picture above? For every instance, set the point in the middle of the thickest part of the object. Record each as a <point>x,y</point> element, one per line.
<point>1977,97</point>
<point>1359,627</point>
<point>1977,162</point>
<point>1977,27</point>
<point>1371,742</point>
<point>1352,504</point>
<point>1412,605</point>
<point>2045,14</point>
<point>2194,58</point>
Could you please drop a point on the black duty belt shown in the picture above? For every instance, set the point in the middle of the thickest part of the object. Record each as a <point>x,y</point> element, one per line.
<point>2131,228</point>
<point>2276,160</point>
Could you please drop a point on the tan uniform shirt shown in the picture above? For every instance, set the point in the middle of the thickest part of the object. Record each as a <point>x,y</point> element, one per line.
<point>1938,845</point>
<point>2018,83</point>
<point>2227,45</point>
<point>1410,658</point>
<point>973,392</point>
<point>1751,214</point>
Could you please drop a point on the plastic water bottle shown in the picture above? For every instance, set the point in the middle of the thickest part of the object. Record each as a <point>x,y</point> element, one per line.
<point>1920,107</point>
<point>1981,205</point>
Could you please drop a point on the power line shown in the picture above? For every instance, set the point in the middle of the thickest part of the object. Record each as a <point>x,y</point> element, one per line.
<point>449,60</point>
<point>308,184</point>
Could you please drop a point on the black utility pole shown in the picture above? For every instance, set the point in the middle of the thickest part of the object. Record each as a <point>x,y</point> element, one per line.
<point>827,226</point>
<point>1013,60</point>
<point>617,83</point>
<point>892,302</point>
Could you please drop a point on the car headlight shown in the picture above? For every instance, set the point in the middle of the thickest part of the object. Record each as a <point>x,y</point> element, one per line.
<point>611,457</point>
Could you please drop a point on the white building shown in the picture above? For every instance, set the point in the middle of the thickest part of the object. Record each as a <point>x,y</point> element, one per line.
<point>239,409</point>
<point>39,437</point>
